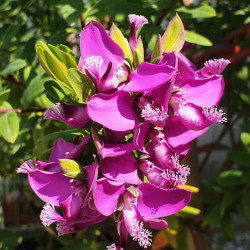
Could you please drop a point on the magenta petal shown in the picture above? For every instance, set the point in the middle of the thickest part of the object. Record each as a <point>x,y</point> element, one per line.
<point>106,194</point>
<point>185,61</point>
<point>92,171</point>
<point>178,136</point>
<point>155,223</point>
<point>148,77</point>
<point>96,42</point>
<point>72,115</point>
<point>156,202</point>
<point>141,132</point>
<point>213,67</point>
<point>114,111</point>
<point>122,168</point>
<point>78,151</point>
<point>204,92</point>
<point>60,150</point>
<point>169,59</point>
<point>76,117</point>
<point>136,22</point>
<point>71,207</point>
<point>50,186</point>
<point>115,150</point>
<point>186,71</point>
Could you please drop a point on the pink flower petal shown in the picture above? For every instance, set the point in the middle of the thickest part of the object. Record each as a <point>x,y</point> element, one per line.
<point>114,111</point>
<point>156,202</point>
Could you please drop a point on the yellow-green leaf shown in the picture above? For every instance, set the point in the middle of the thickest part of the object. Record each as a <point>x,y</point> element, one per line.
<point>138,53</point>
<point>174,37</point>
<point>9,124</point>
<point>157,51</point>
<point>82,85</point>
<point>118,37</point>
<point>71,168</point>
<point>189,211</point>
<point>64,57</point>
<point>52,65</point>
<point>195,38</point>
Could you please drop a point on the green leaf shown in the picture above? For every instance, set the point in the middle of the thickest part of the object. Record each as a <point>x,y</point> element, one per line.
<point>230,178</point>
<point>243,207</point>
<point>71,168</point>
<point>204,11</point>
<point>227,227</point>
<point>63,57</point>
<point>67,135</point>
<point>240,157</point>
<point>60,93</point>
<point>9,240</point>
<point>116,34</point>
<point>245,97</point>
<point>157,51</point>
<point>138,53</point>
<point>71,10</point>
<point>188,210</point>
<point>246,177</point>
<point>67,50</point>
<point>174,37</point>
<point>195,38</point>
<point>229,198</point>
<point>245,138</point>
<point>82,85</point>
<point>9,128</point>
<point>14,66</point>
<point>34,89</point>
<point>4,96</point>
<point>52,65</point>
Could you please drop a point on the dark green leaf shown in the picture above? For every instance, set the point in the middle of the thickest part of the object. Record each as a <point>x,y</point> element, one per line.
<point>240,157</point>
<point>229,198</point>
<point>9,240</point>
<point>230,178</point>
<point>60,93</point>
<point>227,227</point>
<point>65,134</point>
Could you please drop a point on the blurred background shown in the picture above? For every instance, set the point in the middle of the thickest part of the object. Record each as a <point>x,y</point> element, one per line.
<point>219,214</point>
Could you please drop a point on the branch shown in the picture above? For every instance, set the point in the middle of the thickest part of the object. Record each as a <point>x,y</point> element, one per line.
<point>12,80</point>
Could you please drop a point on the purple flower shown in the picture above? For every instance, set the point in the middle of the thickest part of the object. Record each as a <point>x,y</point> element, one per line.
<point>117,111</point>
<point>74,116</point>
<point>101,58</point>
<point>136,22</point>
<point>77,214</point>
<point>43,177</point>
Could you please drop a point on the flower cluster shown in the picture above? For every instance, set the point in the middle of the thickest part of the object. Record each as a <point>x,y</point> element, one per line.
<point>143,116</point>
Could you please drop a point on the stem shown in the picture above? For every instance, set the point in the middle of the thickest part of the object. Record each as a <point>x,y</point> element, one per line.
<point>22,111</point>
<point>13,80</point>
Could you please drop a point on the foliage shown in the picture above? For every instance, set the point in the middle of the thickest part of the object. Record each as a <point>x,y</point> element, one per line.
<point>26,91</point>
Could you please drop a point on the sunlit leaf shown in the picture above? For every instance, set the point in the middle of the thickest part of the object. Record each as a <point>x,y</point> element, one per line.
<point>204,11</point>
<point>14,66</point>
<point>174,36</point>
<point>195,38</point>
<point>82,85</point>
